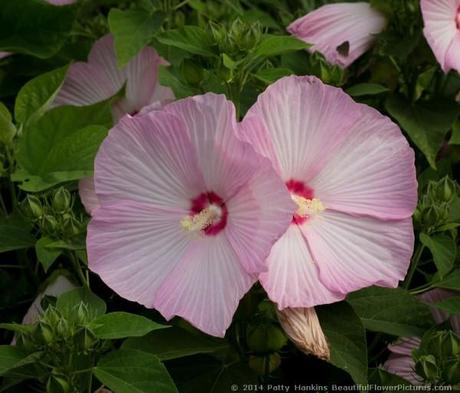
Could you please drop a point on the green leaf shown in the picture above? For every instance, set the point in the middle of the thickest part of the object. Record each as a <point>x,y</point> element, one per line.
<point>189,38</point>
<point>10,357</point>
<point>67,302</point>
<point>132,30</point>
<point>46,256</point>
<point>34,27</point>
<point>426,123</point>
<point>366,89</point>
<point>443,248</point>
<point>36,95</point>
<point>131,371</point>
<point>174,343</point>
<point>122,324</point>
<point>391,310</point>
<point>180,89</point>
<point>451,305</point>
<point>347,339</point>
<point>455,137</point>
<point>272,45</point>
<point>452,281</point>
<point>61,146</point>
<point>7,128</point>
<point>270,75</point>
<point>15,234</point>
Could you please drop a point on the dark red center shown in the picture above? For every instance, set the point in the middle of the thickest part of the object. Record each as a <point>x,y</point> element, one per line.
<point>457,18</point>
<point>301,189</point>
<point>203,201</point>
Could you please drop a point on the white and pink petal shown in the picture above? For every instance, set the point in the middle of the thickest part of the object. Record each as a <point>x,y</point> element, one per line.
<point>149,159</point>
<point>372,172</point>
<point>355,252</point>
<point>298,123</point>
<point>442,30</point>
<point>133,246</point>
<point>206,286</point>
<point>293,278</point>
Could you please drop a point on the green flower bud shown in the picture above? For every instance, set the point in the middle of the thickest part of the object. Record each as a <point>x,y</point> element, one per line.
<point>62,200</point>
<point>267,337</point>
<point>263,365</point>
<point>46,332</point>
<point>192,73</point>
<point>33,206</point>
<point>427,367</point>
<point>57,384</point>
<point>85,339</point>
<point>453,371</point>
<point>49,224</point>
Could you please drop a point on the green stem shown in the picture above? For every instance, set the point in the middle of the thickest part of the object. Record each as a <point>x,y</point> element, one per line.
<point>413,266</point>
<point>76,264</point>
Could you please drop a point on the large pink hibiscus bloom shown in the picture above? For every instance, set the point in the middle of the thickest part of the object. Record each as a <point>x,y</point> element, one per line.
<point>342,32</point>
<point>351,173</point>
<point>442,31</point>
<point>188,212</point>
<point>400,361</point>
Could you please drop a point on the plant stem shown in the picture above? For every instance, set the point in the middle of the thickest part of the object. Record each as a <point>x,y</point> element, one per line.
<point>77,267</point>
<point>413,267</point>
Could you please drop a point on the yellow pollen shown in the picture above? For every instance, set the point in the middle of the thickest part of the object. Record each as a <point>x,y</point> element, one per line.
<point>307,207</point>
<point>201,220</point>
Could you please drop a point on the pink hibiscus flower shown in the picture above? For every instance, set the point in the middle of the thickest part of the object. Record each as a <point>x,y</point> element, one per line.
<point>400,361</point>
<point>351,174</point>
<point>4,54</point>
<point>342,32</point>
<point>61,2</point>
<point>100,78</point>
<point>442,31</point>
<point>188,212</point>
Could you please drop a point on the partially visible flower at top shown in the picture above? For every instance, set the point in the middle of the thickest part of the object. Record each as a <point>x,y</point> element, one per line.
<point>342,32</point>
<point>351,173</point>
<point>400,361</point>
<point>303,328</point>
<point>100,78</point>
<point>442,31</point>
<point>61,2</point>
<point>188,212</point>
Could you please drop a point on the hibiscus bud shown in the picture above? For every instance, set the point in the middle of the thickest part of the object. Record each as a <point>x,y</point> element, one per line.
<point>57,384</point>
<point>426,367</point>
<point>61,200</point>
<point>263,365</point>
<point>447,189</point>
<point>453,372</point>
<point>32,207</point>
<point>49,224</point>
<point>303,328</point>
<point>267,337</point>
<point>46,332</point>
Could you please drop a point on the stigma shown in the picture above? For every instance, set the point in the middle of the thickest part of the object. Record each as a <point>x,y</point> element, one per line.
<point>307,207</point>
<point>202,220</point>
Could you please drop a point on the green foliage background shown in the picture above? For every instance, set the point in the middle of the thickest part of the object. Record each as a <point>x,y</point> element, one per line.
<point>234,47</point>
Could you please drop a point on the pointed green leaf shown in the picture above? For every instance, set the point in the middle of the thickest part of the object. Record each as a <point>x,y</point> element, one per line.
<point>130,371</point>
<point>391,310</point>
<point>347,339</point>
<point>122,324</point>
